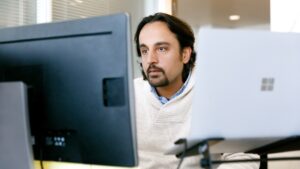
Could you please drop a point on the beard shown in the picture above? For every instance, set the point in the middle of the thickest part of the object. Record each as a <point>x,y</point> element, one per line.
<point>159,78</point>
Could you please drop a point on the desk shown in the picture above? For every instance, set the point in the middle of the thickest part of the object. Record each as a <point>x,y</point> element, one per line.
<point>64,165</point>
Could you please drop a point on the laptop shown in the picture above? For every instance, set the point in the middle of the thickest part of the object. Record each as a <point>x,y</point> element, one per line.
<point>247,91</point>
<point>15,141</point>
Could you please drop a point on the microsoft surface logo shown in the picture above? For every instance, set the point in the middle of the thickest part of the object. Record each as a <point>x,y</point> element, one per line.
<point>267,84</point>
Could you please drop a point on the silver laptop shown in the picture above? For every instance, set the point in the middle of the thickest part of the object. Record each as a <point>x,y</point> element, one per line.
<point>247,91</point>
<point>15,142</point>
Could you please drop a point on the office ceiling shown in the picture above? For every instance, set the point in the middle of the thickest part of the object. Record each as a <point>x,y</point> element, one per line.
<point>215,13</point>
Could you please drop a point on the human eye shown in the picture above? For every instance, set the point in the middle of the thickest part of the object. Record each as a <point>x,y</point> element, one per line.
<point>162,49</point>
<point>144,51</point>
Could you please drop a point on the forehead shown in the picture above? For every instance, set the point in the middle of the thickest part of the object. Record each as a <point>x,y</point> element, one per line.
<point>155,32</point>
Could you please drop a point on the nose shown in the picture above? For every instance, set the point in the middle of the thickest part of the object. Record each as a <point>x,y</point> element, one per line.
<point>152,57</point>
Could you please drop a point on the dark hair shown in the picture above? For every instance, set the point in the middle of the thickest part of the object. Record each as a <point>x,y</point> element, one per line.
<point>183,32</point>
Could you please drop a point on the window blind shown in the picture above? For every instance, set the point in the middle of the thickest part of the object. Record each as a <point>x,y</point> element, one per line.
<point>17,12</point>
<point>24,12</point>
<point>73,9</point>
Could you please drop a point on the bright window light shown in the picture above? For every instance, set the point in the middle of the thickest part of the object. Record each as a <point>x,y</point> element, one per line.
<point>285,15</point>
<point>43,11</point>
<point>153,6</point>
<point>165,6</point>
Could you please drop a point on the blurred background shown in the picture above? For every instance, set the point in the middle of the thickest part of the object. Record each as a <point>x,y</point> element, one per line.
<point>270,15</point>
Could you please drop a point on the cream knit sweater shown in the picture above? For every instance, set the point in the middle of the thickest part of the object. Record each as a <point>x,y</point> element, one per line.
<point>159,126</point>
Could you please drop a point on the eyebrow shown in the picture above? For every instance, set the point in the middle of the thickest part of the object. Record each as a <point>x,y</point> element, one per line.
<point>156,44</point>
<point>162,43</point>
<point>143,45</point>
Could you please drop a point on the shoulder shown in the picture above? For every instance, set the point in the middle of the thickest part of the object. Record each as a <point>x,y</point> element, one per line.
<point>141,85</point>
<point>139,81</point>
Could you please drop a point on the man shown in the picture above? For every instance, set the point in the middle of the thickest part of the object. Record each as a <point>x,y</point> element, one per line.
<point>164,94</point>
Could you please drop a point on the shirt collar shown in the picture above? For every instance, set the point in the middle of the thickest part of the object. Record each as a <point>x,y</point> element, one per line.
<point>164,100</point>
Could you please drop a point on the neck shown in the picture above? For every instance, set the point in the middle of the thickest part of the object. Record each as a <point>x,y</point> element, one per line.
<point>170,90</point>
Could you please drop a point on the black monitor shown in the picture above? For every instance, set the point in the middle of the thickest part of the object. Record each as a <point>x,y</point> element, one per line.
<point>79,79</point>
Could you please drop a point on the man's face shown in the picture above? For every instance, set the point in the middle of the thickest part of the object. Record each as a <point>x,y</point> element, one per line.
<point>161,58</point>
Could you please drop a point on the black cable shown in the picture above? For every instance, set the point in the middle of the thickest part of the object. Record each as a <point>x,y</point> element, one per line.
<point>41,158</point>
<point>42,165</point>
<point>184,142</point>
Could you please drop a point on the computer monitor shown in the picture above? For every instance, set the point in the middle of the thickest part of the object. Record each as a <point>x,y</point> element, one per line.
<point>79,79</point>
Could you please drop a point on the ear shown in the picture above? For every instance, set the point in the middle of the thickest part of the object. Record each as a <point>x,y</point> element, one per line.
<point>186,54</point>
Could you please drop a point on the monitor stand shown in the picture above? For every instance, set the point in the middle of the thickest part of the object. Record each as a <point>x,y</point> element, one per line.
<point>15,141</point>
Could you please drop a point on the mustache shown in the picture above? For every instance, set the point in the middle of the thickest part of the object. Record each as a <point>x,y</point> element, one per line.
<point>153,67</point>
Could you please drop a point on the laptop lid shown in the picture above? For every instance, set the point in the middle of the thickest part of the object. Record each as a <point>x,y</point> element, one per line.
<point>247,91</point>
<point>15,141</point>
